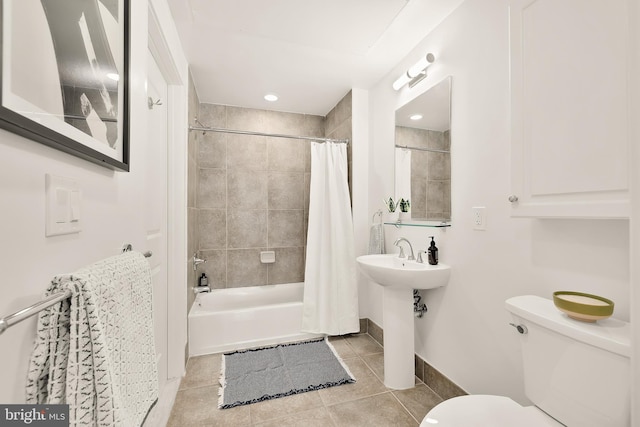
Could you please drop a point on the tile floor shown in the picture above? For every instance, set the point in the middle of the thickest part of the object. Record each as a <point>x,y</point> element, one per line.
<point>367,402</point>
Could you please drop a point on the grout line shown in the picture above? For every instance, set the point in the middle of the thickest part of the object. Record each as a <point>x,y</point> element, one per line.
<point>405,408</point>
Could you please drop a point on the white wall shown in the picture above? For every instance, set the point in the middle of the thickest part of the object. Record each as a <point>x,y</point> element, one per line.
<point>465,333</point>
<point>112,213</point>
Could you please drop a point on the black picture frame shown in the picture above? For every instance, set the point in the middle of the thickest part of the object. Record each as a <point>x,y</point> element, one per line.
<point>84,46</point>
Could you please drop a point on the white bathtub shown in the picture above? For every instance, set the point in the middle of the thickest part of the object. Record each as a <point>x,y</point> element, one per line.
<point>238,318</point>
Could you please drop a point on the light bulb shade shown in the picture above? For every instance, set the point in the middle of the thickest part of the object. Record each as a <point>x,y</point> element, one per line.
<point>402,80</point>
<point>416,71</point>
<point>421,65</point>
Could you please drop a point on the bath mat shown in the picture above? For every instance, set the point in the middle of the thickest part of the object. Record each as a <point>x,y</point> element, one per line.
<point>255,375</point>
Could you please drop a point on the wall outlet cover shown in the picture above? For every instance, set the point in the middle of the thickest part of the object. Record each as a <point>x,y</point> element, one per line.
<point>479,218</point>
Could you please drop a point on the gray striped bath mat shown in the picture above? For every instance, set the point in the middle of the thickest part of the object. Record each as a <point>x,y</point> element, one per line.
<point>255,375</point>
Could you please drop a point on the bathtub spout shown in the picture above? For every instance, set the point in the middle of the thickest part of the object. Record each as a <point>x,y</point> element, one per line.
<point>201,289</point>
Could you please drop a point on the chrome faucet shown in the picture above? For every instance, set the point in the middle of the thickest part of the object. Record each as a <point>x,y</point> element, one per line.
<point>197,261</point>
<point>401,255</point>
<point>420,260</point>
<point>201,289</point>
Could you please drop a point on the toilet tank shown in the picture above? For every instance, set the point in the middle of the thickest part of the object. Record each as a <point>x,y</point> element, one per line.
<point>577,372</point>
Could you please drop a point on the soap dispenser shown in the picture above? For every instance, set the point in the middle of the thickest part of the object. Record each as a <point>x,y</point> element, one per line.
<point>433,252</point>
<point>203,280</point>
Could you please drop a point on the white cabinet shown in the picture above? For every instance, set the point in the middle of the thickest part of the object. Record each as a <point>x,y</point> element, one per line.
<point>569,108</point>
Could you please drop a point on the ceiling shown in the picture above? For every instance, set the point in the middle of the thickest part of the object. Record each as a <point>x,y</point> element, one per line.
<point>309,53</point>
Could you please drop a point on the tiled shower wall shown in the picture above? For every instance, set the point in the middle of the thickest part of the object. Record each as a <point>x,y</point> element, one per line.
<point>252,195</point>
<point>338,125</point>
<point>430,172</point>
<point>192,170</point>
<point>249,193</point>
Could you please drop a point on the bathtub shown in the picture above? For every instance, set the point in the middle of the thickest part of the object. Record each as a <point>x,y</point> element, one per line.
<point>238,318</point>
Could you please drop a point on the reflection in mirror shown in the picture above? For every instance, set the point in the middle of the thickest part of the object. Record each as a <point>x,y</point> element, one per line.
<point>423,160</point>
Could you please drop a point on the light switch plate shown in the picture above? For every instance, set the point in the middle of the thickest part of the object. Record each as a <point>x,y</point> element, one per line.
<point>63,206</point>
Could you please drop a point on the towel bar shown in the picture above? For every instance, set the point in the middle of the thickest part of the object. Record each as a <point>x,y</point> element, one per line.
<point>19,316</point>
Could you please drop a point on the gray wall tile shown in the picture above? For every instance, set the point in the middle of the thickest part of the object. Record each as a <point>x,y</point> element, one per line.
<point>283,123</point>
<point>246,119</point>
<point>244,268</point>
<point>286,190</point>
<point>285,154</point>
<point>212,188</point>
<point>286,228</point>
<point>267,191</point>
<point>212,150</point>
<point>246,229</point>
<point>247,190</point>
<point>289,266</point>
<point>215,268</point>
<point>212,228</point>
<point>246,152</point>
<point>213,115</point>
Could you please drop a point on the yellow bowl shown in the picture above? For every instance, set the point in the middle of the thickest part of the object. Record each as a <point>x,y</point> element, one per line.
<point>583,307</point>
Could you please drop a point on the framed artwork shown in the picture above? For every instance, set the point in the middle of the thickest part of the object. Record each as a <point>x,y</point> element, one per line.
<point>64,76</point>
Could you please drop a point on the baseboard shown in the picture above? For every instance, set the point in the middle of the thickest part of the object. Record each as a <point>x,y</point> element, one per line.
<point>159,415</point>
<point>434,379</point>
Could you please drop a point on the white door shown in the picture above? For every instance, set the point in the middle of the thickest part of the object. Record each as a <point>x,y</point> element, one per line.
<point>156,214</point>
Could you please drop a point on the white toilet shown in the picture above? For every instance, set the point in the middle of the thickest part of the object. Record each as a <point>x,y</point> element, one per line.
<point>575,373</point>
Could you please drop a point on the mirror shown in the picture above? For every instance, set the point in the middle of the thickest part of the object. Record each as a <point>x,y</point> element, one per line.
<point>422,156</point>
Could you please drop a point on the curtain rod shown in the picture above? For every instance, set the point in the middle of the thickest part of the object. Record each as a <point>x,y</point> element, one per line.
<point>273,135</point>
<point>422,149</point>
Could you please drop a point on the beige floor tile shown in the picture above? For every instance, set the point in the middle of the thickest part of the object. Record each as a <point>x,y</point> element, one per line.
<point>418,400</point>
<point>318,417</point>
<point>284,406</point>
<point>367,384</point>
<point>202,371</point>
<point>382,410</point>
<point>376,363</point>
<point>195,407</point>
<point>367,402</point>
<point>363,344</point>
<point>343,349</point>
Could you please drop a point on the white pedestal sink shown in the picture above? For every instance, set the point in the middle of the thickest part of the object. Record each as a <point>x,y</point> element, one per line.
<point>399,278</point>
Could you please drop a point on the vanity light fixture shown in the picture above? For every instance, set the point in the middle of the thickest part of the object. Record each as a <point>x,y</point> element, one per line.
<point>415,73</point>
<point>271,97</point>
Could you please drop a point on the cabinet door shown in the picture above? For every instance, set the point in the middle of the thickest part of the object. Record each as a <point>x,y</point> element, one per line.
<point>569,108</point>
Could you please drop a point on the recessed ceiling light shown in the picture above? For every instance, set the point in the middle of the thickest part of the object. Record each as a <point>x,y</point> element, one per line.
<point>271,97</point>
<point>415,116</point>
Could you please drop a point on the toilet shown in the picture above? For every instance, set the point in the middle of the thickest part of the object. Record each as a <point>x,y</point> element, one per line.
<point>575,373</point>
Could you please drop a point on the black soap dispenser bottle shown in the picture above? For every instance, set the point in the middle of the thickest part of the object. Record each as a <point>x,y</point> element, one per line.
<point>433,252</point>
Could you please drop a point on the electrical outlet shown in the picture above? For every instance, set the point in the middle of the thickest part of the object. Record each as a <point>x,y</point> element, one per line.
<point>479,218</point>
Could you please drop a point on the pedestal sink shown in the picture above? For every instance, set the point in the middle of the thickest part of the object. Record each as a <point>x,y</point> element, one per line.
<point>399,278</point>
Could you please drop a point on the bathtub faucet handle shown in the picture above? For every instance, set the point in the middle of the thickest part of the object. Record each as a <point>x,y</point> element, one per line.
<point>197,261</point>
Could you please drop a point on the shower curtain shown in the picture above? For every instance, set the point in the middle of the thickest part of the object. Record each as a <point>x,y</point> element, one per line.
<point>330,289</point>
<point>403,174</point>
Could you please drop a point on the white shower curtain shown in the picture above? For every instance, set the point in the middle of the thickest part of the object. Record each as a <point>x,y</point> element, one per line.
<point>403,174</point>
<point>330,289</point>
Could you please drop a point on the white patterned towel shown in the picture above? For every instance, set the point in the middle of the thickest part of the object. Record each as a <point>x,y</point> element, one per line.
<point>95,351</point>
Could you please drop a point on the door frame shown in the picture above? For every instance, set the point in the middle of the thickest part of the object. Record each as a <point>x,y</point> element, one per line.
<point>166,49</point>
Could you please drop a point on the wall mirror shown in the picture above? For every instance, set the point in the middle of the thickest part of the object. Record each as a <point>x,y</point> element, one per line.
<point>422,154</point>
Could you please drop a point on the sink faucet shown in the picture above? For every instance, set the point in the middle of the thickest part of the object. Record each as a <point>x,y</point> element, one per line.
<point>397,243</point>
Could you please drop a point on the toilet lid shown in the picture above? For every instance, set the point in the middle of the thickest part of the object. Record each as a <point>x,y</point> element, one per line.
<point>485,410</point>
